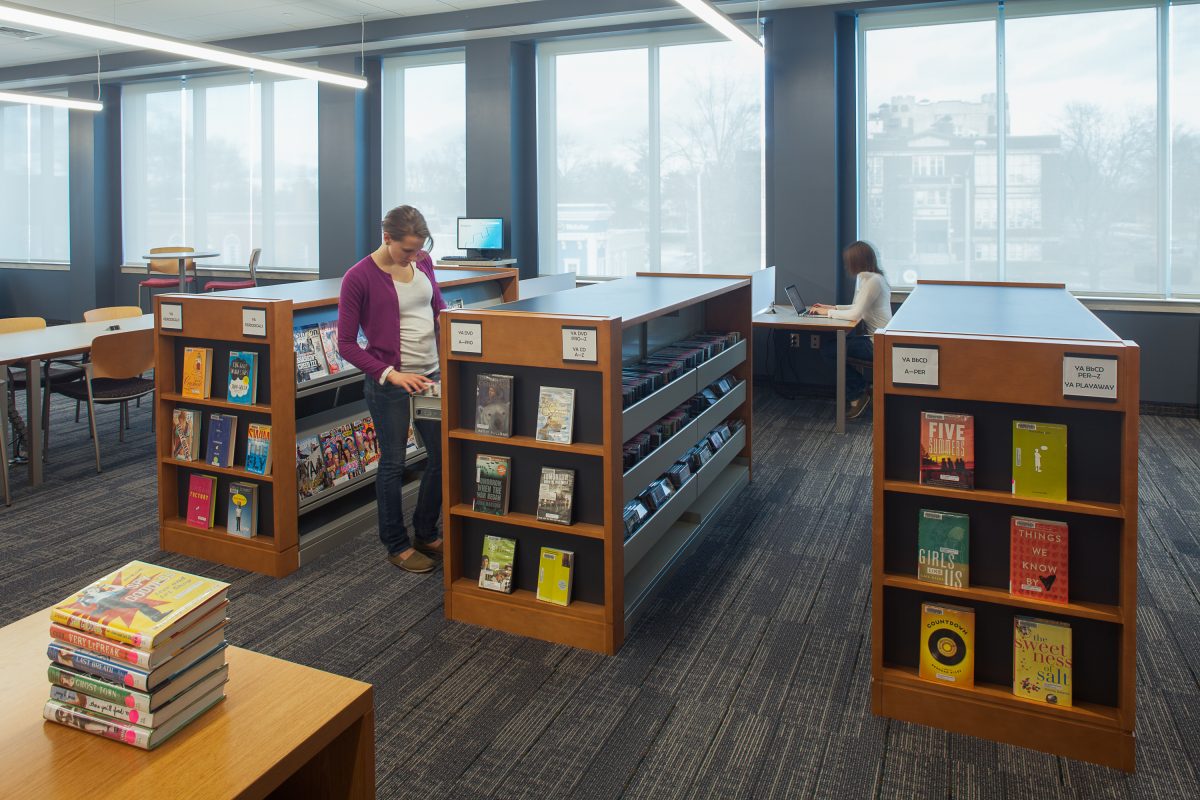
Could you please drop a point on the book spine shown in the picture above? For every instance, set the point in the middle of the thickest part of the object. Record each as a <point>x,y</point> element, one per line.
<point>96,644</point>
<point>107,631</point>
<point>99,706</point>
<point>98,688</point>
<point>100,667</point>
<point>109,729</point>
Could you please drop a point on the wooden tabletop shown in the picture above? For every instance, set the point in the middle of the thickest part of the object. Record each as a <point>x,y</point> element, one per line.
<point>786,317</point>
<point>63,340</point>
<point>275,717</point>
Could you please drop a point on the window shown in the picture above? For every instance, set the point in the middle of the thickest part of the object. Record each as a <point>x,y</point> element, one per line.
<point>926,166</point>
<point>34,207</point>
<point>425,164</point>
<point>226,164</point>
<point>650,156</point>
<point>1185,149</point>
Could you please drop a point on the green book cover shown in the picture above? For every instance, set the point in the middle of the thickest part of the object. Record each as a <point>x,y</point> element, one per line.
<point>1039,460</point>
<point>496,570</point>
<point>944,548</point>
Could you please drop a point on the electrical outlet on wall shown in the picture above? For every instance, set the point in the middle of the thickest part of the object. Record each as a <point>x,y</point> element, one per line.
<point>814,341</point>
<point>794,340</point>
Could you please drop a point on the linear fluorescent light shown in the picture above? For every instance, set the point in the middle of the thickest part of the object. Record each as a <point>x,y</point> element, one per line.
<point>46,100</point>
<point>77,26</point>
<point>723,24</point>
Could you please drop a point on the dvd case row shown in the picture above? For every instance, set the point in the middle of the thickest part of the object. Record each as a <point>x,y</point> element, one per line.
<point>640,380</point>
<point>638,447</point>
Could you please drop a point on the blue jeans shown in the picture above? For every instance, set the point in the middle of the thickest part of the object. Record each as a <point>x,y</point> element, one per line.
<point>389,407</point>
<point>859,347</point>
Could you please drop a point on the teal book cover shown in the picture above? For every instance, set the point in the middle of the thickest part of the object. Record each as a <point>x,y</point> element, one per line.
<point>944,548</point>
<point>243,377</point>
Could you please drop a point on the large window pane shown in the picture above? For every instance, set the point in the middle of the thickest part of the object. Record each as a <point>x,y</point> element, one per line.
<point>34,224</point>
<point>928,194</point>
<point>1082,96</point>
<point>1185,149</point>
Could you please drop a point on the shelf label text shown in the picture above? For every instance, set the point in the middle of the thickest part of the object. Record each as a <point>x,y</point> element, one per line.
<point>171,316</point>
<point>579,344</point>
<point>254,322</point>
<point>1089,377</point>
<point>914,365</point>
<point>466,338</point>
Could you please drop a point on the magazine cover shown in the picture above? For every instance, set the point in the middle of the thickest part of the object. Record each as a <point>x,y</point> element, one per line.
<point>310,469</point>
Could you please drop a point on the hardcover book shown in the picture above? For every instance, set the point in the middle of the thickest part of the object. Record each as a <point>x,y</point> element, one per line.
<point>310,353</point>
<point>222,432</point>
<point>1039,460</point>
<point>132,699</point>
<point>310,468</point>
<point>210,628</point>
<point>496,570</point>
<point>129,676</point>
<point>185,434</point>
<point>243,377</point>
<point>258,448</point>
<point>947,650</point>
<point>947,450</point>
<point>136,735</point>
<point>1038,556</point>
<point>943,548</point>
<point>555,570</point>
<point>556,415</point>
<point>197,372</point>
<point>241,518</point>
<point>140,604</point>
<point>137,716</point>
<point>202,500</point>
<point>556,490</point>
<point>1042,660</point>
<point>491,484</point>
<point>493,405</point>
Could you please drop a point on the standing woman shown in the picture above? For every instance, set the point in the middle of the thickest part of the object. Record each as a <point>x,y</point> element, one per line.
<point>873,305</point>
<point>393,296</point>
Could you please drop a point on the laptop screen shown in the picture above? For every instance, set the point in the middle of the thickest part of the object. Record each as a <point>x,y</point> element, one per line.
<point>793,295</point>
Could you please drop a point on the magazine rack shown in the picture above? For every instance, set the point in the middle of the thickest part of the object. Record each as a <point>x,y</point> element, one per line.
<point>1000,351</point>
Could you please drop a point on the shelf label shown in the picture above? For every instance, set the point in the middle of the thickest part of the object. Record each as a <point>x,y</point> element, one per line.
<point>466,338</point>
<point>915,365</point>
<point>170,316</point>
<point>254,322</point>
<point>579,345</point>
<point>1089,377</point>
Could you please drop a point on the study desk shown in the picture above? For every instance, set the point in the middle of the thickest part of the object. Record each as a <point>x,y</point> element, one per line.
<point>786,318</point>
<point>281,727</point>
<point>32,348</point>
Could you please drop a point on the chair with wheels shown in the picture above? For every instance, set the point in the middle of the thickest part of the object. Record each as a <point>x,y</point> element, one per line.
<point>223,286</point>
<point>166,266</point>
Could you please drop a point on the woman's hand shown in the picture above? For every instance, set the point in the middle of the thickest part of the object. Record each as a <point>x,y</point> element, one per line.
<point>820,309</point>
<point>410,382</point>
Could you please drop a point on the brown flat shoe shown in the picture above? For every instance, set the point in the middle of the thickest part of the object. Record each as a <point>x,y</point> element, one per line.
<point>433,552</point>
<point>417,563</point>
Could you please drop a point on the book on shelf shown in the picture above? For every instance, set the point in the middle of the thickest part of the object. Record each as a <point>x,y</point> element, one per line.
<point>1038,557</point>
<point>947,644</point>
<point>333,358</point>
<point>493,405</point>
<point>197,372</point>
<point>133,699</point>
<point>310,353</point>
<point>492,474</point>
<point>947,450</point>
<point>241,518</point>
<point>556,491</point>
<point>243,377</point>
<point>310,468</point>
<point>115,672</point>
<point>555,415</point>
<point>210,628</point>
<point>185,434</point>
<point>1042,660</point>
<point>555,574</point>
<point>496,569</point>
<point>258,448</point>
<point>132,714</point>
<point>1039,460</point>
<point>136,735</point>
<point>222,436</point>
<point>943,548</point>
<point>202,500</point>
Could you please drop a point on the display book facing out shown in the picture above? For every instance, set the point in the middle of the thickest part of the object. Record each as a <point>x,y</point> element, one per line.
<point>535,434</point>
<point>1005,526</point>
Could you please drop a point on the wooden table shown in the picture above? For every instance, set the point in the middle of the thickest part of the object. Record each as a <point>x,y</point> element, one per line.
<point>32,348</point>
<point>786,318</point>
<point>282,727</point>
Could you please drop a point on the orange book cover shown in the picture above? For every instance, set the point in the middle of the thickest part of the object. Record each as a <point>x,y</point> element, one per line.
<point>197,372</point>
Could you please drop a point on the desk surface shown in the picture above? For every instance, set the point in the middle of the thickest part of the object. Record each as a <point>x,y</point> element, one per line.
<point>63,340</point>
<point>786,317</point>
<point>275,717</point>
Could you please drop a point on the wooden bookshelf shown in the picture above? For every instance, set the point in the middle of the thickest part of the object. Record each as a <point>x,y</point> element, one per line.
<point>1000,352</point>
<point>613,578</point>
<point>291,532</point>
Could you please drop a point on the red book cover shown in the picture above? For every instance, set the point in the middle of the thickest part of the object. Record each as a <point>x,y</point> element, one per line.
<point>1038,559</point>
<point>201,502</point>
<point>948,450</point>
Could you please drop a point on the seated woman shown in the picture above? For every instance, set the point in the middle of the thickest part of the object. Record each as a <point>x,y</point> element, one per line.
<point>873,305</point>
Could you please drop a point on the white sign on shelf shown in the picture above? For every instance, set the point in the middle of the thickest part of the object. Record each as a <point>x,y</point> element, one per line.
<point>254,322</point>
<point>1089,377</point>
<point>466,338</point>
<point>579,344</point>
<point>171,316</point>
<point>914,365</point>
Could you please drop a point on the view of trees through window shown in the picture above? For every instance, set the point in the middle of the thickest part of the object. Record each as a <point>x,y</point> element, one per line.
<point>33,175</point>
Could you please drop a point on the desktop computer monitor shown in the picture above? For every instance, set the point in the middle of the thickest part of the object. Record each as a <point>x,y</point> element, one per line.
<point>480,233</point>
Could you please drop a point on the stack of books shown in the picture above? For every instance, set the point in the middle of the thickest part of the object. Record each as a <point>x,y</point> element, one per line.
<point>138,654</point>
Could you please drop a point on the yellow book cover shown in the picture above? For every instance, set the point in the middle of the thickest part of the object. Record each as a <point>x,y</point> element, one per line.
<point>1042,660</point>
<point>139,604</point>
<point>197,372</point>
<point>947,644</point>
<point>555,569</point>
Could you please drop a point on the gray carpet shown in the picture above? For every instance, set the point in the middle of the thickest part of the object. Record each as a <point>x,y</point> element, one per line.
<point>748,677</point>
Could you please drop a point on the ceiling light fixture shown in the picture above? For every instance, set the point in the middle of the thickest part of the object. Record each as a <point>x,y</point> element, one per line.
<point>77,26</point>
<point>47,100</point>
<point>723,24</point>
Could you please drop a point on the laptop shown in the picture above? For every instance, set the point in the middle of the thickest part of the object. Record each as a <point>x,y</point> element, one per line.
<point>793,295</point>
